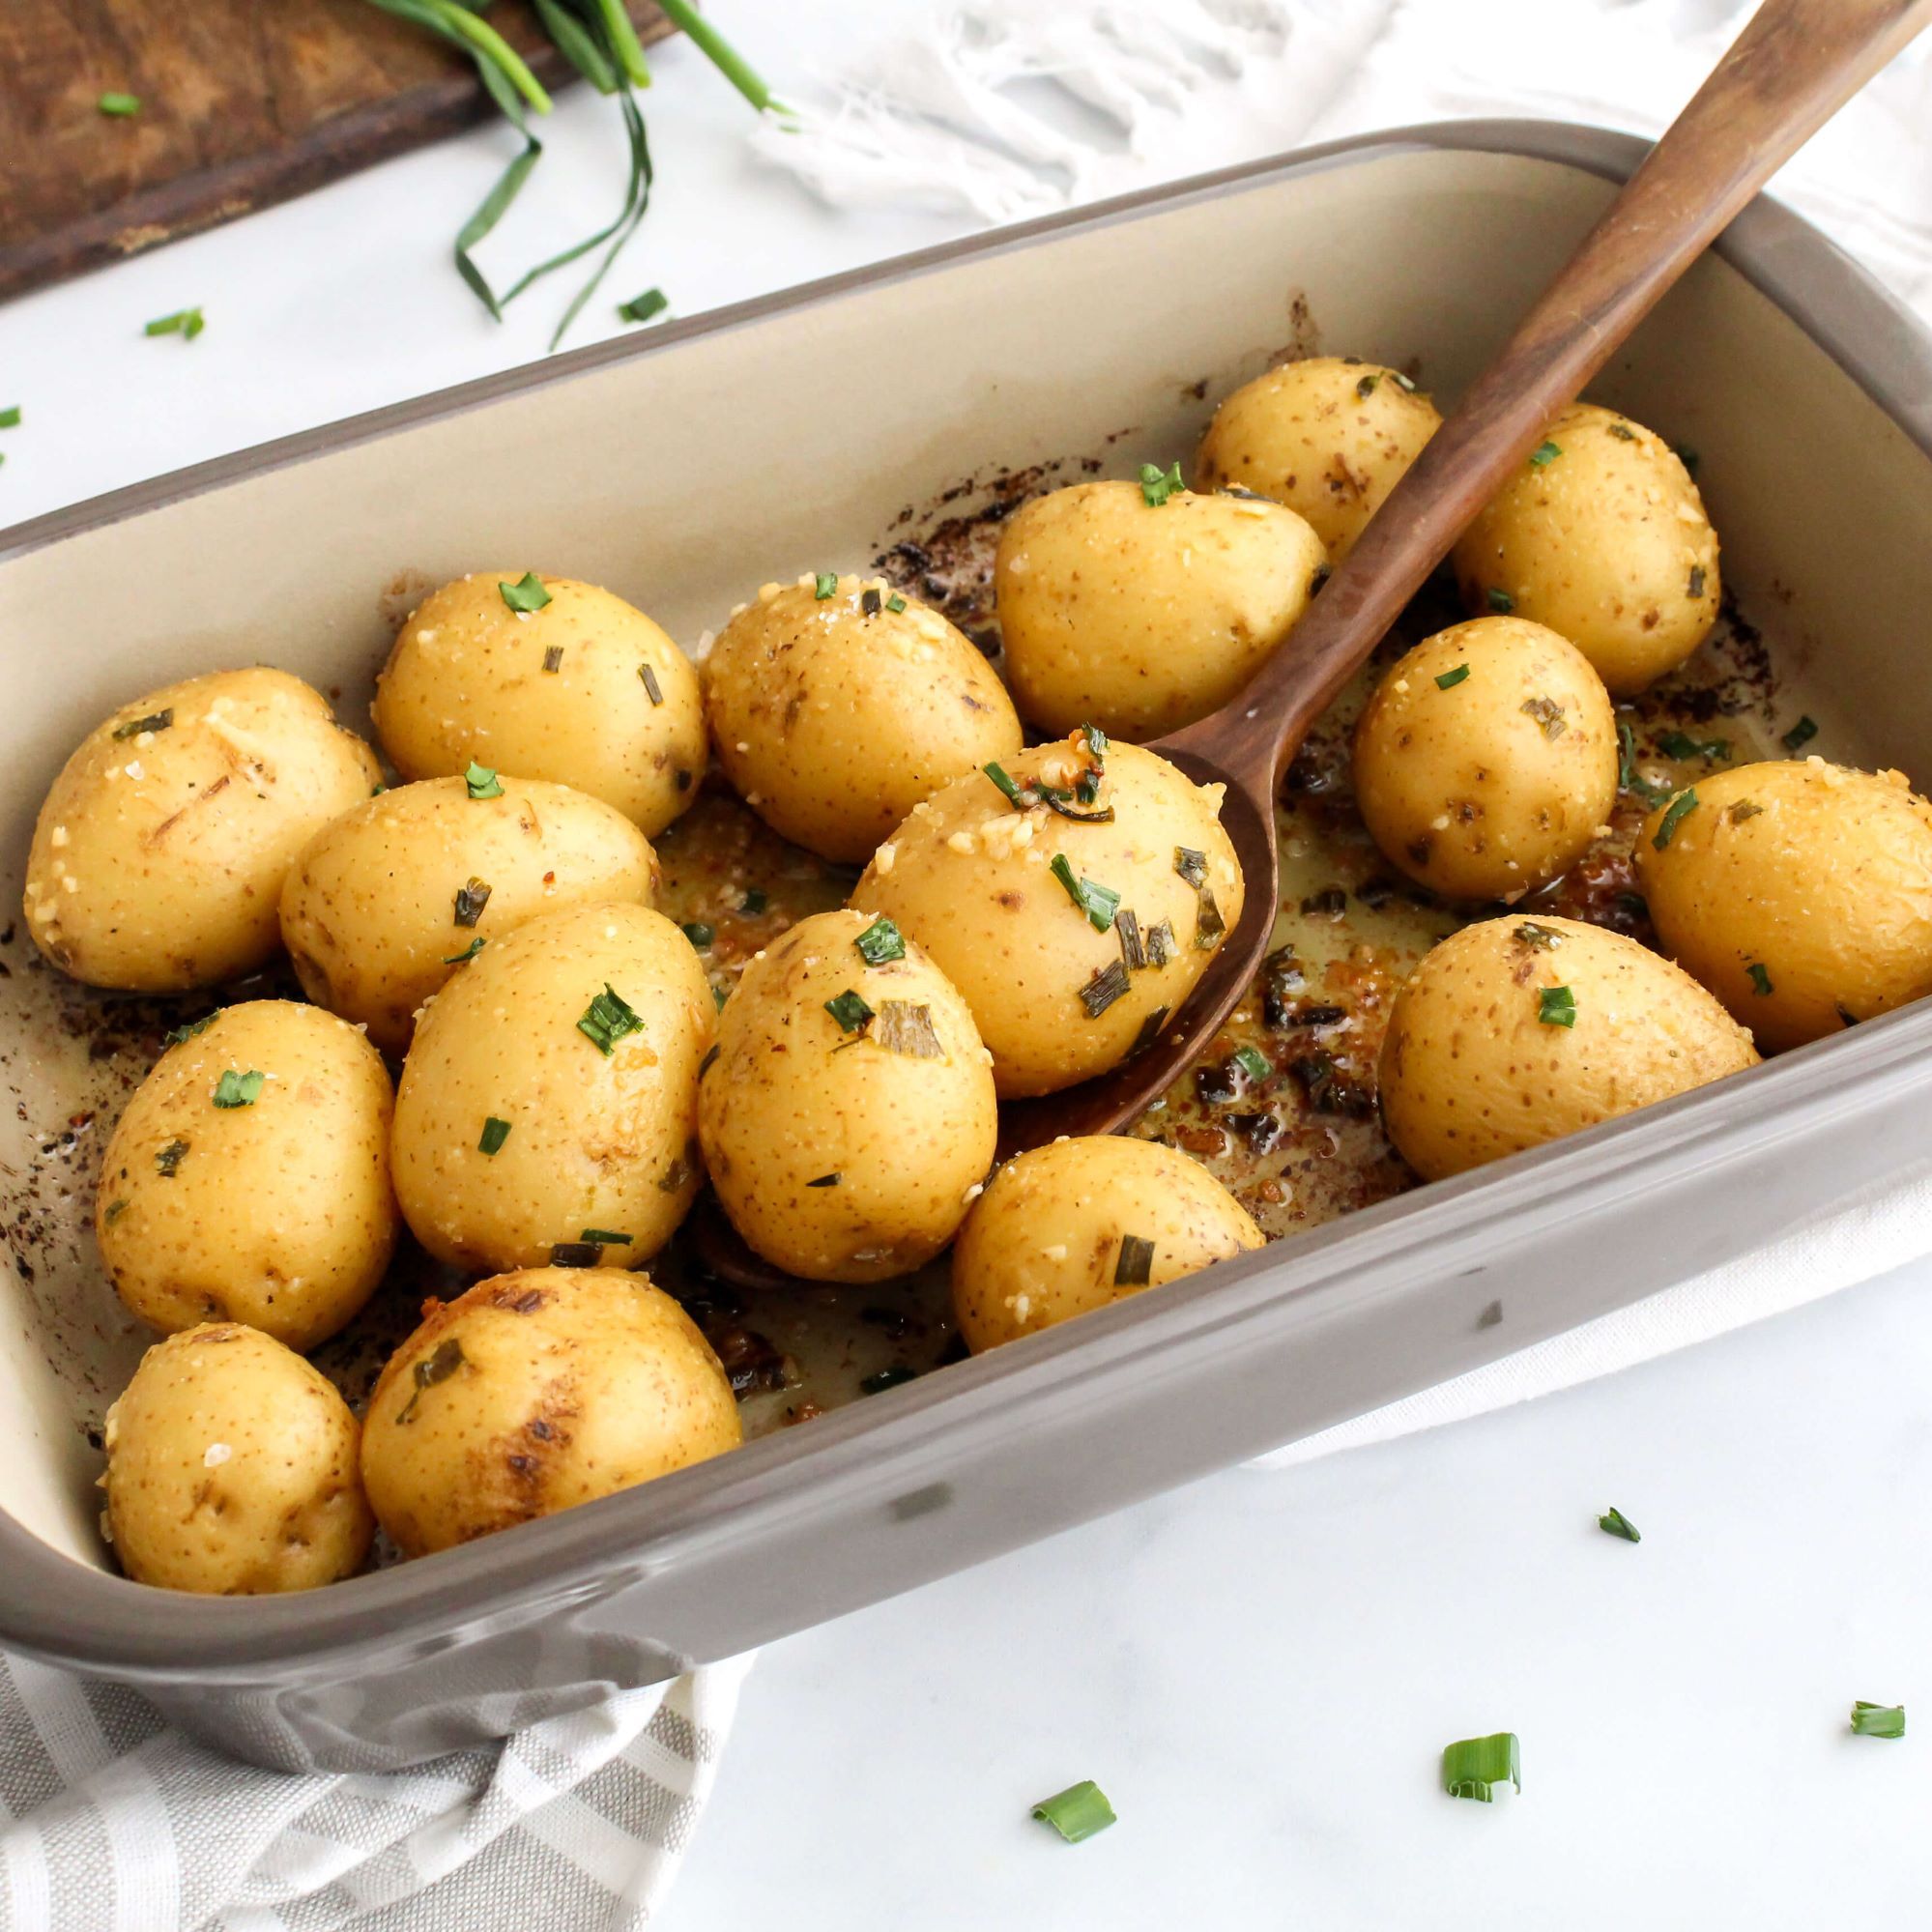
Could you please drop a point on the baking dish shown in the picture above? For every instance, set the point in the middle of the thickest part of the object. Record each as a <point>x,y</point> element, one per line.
<point>678,466</point>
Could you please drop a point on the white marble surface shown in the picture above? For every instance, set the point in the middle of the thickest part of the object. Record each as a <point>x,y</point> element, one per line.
<point>1260,1670</point>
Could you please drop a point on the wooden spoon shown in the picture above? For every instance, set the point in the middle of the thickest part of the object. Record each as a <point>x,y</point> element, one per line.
<point>1791,69</point>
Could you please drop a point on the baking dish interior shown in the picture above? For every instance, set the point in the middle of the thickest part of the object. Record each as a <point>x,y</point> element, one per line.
<point>790,436</point>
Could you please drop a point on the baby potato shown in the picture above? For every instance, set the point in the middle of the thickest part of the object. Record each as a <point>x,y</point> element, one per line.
<point>1517,1031</point>
<point>160,853</point>
<point>1140,616</point>
<point>1603,536</point>
<point>1328,436</point>
<point>849,1116</point>
<point>1487,759</point>
<point>1799,892</point>
<point>834,716</point>
<point>1073,926</point>
<point>549,1106</point>
<point>533,1393</point>
<point>585,691</point>
<point>231,1469</point>
<point>390,900</point>
<point>1082,1223</point>
<point>248,1177</point>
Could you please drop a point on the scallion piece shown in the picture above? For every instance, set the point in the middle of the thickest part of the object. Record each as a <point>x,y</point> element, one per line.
<point>895,603</point>
<point>1099,903</point>
<point>437,1367</point>
<point>1473,1766</point>
<point>119,106</point>
<point>699,933</point>
<point>188,1031</point>
<point>575,1254</point>
<point>1500,601</point>
<point>825,1181</point>
<point>881,944</point>
<point>870,602</point>
<point>1108,984</point>
<point>1556,1006</point>
<point>902,1027</point>
<point>1252,1062</point>
<point>1760,976</point>
<point>552,657</point>
<point>1544,454</point>
<point>1192,865</point>
<point>495,1132</point>
<point>849,1010</point>
<point>168,1159</point>
<point>651,688</point>
<point>1402,381</point>
<point>1616,1523</point>
<point>526,594</point>
<point>155,721</point>
<point>1157,485</point>
<point>481,781</point>
<point>1209,927</point>
<point>467,953</point>
<point>1681,744</point>
<point>1694,585</point>
<point>605,1238</point>
<point>1801,734</point>
<point>1009,787</point>
<point>606,1020</point>
<point>235,1089</point>
<point>9,416</point>
<point>1133,948</point>
<point>642,308</point>
<point>1134,1266</point>
<point>1539,939</point>
<point>1878,1721</point>
<point>1365,386</point>
<point>1681,808</point>
<point>187,322</point>
<point>1077,1812</point>
<point>825,584</point>
<point>1450,679</point>
<point>472,896</point>
<point>1623,432</point>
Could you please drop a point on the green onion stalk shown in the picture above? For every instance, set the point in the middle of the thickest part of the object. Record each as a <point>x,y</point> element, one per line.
<point>600,40</point>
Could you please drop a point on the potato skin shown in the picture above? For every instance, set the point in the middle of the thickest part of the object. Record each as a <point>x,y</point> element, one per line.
<point>1470,1073</point>
<point>969,878</point>
<point>231,1469</point>
<point>594,1141</point>
<point>539,1390</point>
<point>278,1213</point>
<point>1141,618</point>
<point>1607,543</point>
<point>369,912</point>
<point>159,857</point>
<point>1825,885</point>
<point>832,724</point>
<point>792,1097</point>
<point>1496,784</point>
<point>467,681</point>
<point>1043,1243</point>
<point>1307,435</point>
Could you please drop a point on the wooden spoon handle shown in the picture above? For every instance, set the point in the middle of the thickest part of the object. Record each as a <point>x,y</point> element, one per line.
<point>1794,64</point>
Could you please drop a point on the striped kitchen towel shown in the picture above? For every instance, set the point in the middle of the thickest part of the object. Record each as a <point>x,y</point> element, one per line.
<point>112,1821</point>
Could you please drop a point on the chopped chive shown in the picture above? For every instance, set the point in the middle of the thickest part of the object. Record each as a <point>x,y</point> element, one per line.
<point>526,594</point>
<point>9,416</point>
<point>1680,744</point>
<point>881,944</point>
<point>575,1254</point>
<point>1098,902</point>
<point>1077,1812</point>
<point>606,1020</point>
<point>1210,928</point>
<point>1801,734</point>
<point>888,1377</point>
<point>1556,1006</point>
<point>1628,777</point>
<point>158,721</point>
<point>495,1132</point>
<point>472,896</point>
<point>1192,865</point>
<point>1108,984</point>
<point>1157,485</point>
<point>1695,585</point>
<point>188,1031</point>
<point>1541,938</point>
<point>1760,976</point>
<point>699,933</point>
<point>1365,386</point>
<point>235,1089</point>
<point>1160,943</point>
<point>642,308</point>
<point>711,1053</point>
<point>467,953</point>
<point>825,1181</point>
<point>552,657</point>
<point>1096,740</point>
<point>168,1159</point>
<point>718,998</point>
<point>1616,1523</point>
<point>825,584</point>
<point>1681,808</point>
<point>113,1212</point>
<point>1501,602</point>
<point>481,781</point>
<point>1009,787</point>
<point>652,689</point>
<point>1402,381</point>
<point>1252,1062</point>
<point>604,1238</point>
<point>870,602</point>
<point>1545,454</point>
<point>754,900</point>
<point>1450,679</point>
<point>895,603</point>
<point>1548,713</point>
<point>187,322</point>
<point>901,1026</point>
<point>1127,930</point>
<point>1623,432</point>
<point>849,1010</point>
<point>1741,809</point>
<point>433,1368</point>
<point>1134,1266</point>
<point>119,106</point>
<point>1150,1030</point>
<point>1878,1721</point>
<point>1473,1766</point>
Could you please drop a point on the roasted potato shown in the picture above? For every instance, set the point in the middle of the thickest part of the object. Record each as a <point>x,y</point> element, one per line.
<point>248,1177</point>
<point>158,857</point>
<point>533,1393</point>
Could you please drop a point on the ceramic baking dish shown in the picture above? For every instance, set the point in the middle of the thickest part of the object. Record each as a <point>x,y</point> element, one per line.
<point>682,465</point>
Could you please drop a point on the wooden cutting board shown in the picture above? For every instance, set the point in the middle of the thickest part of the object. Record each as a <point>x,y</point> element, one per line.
<point>244,102</point>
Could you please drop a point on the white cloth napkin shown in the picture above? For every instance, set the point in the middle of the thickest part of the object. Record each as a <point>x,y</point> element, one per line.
<point>111,1821</point>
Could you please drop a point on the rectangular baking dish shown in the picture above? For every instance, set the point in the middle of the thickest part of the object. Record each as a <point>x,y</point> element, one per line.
<point>680,467</point>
